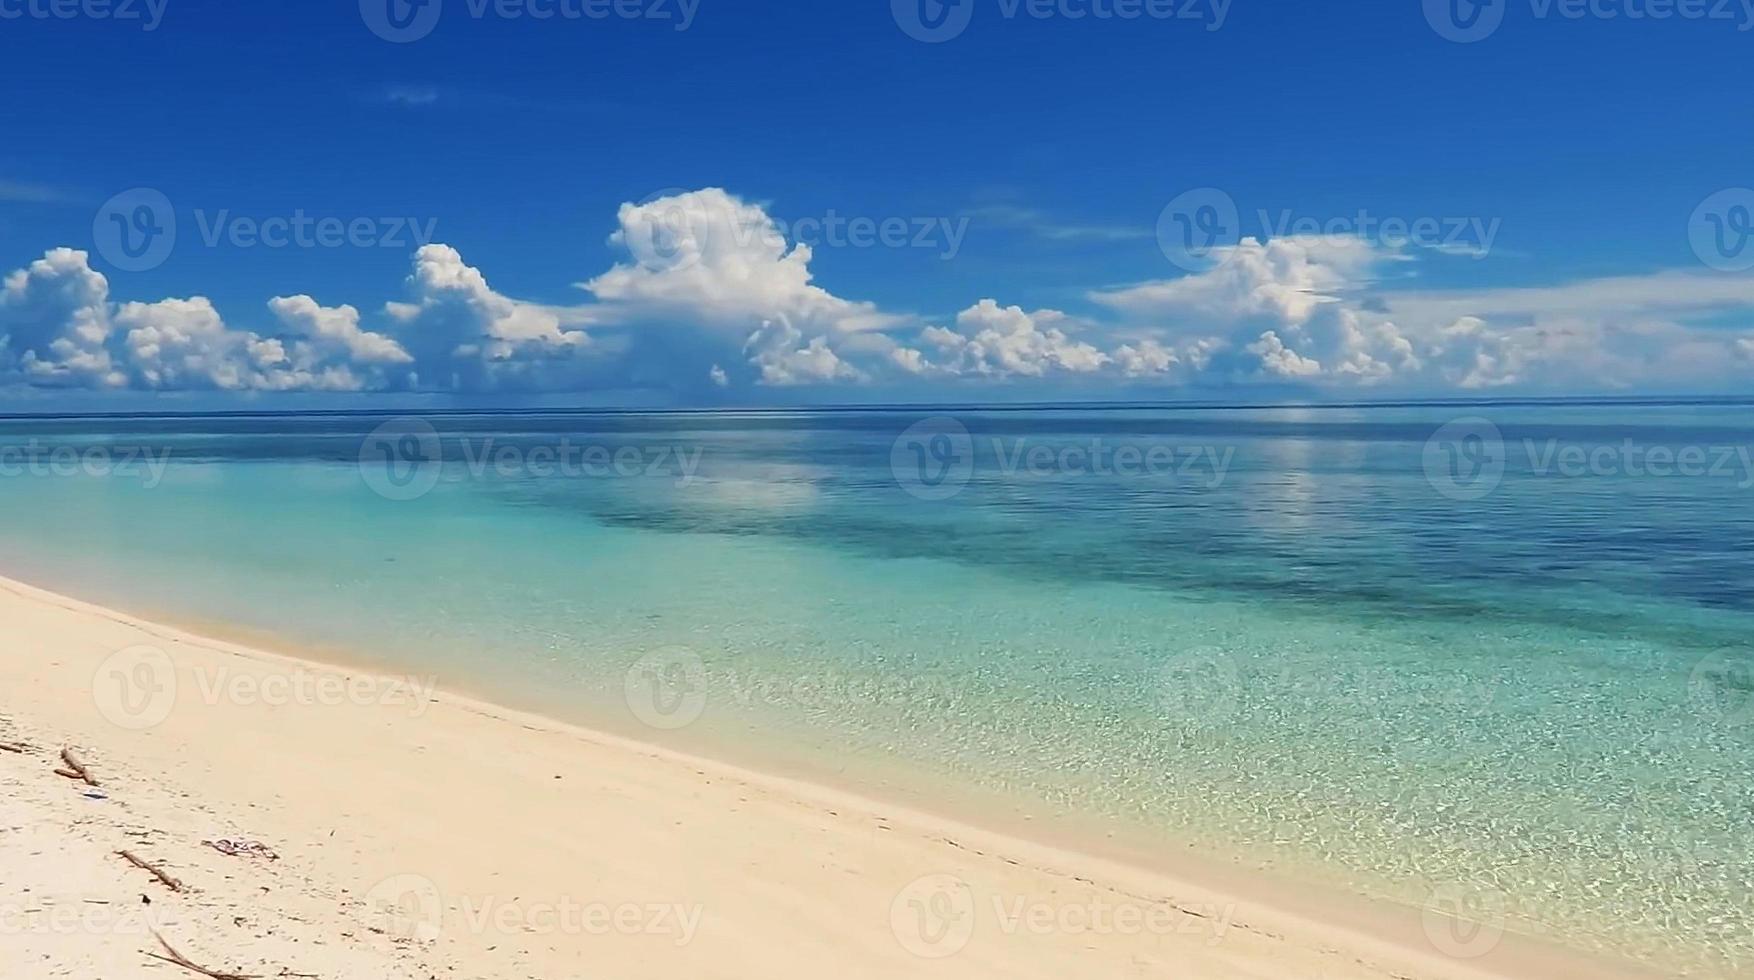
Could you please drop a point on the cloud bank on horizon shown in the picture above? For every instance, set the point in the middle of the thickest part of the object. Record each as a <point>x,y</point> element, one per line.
<point>710,296</point>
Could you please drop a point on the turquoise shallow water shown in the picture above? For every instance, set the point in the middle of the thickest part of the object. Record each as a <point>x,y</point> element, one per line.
<point>1304,640</point>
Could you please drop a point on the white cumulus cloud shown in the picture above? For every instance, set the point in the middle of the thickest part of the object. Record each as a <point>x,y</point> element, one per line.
<point>707,293</point>
<point>464,335</point>
<point>721,262</point>
<point>55,324</point>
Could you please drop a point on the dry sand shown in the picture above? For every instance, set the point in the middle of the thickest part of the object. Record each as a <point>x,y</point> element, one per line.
<point>421,835</point>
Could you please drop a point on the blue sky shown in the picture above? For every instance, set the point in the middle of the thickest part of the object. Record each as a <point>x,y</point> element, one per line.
<point>1029,158</point>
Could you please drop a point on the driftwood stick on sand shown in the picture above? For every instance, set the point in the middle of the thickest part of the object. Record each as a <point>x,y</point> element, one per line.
<point>75,769</point>
<point>14,747</point>
<point>183,961</point>
<point>169,882</point>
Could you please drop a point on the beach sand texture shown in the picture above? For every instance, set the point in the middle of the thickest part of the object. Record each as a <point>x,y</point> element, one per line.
<point>430,836</point>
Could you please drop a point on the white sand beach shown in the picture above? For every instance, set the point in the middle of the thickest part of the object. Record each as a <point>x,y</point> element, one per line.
<point>416,834</point>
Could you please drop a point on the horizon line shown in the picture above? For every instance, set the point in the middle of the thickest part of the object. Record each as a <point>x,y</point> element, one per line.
<point>1560,401</point>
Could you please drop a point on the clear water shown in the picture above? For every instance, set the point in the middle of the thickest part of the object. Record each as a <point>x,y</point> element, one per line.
<point>1541,697</point>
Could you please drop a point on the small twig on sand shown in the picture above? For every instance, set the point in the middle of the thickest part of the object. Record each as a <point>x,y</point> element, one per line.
<point>14,747</point>
<point>75,769</point>
<point>183,961</point>
<point>169,882</point>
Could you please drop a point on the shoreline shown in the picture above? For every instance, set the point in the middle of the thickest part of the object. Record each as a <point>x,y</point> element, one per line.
<point>1265,923</point>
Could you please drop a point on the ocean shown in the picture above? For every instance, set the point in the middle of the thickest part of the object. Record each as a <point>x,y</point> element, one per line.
<point>1496,656</point>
